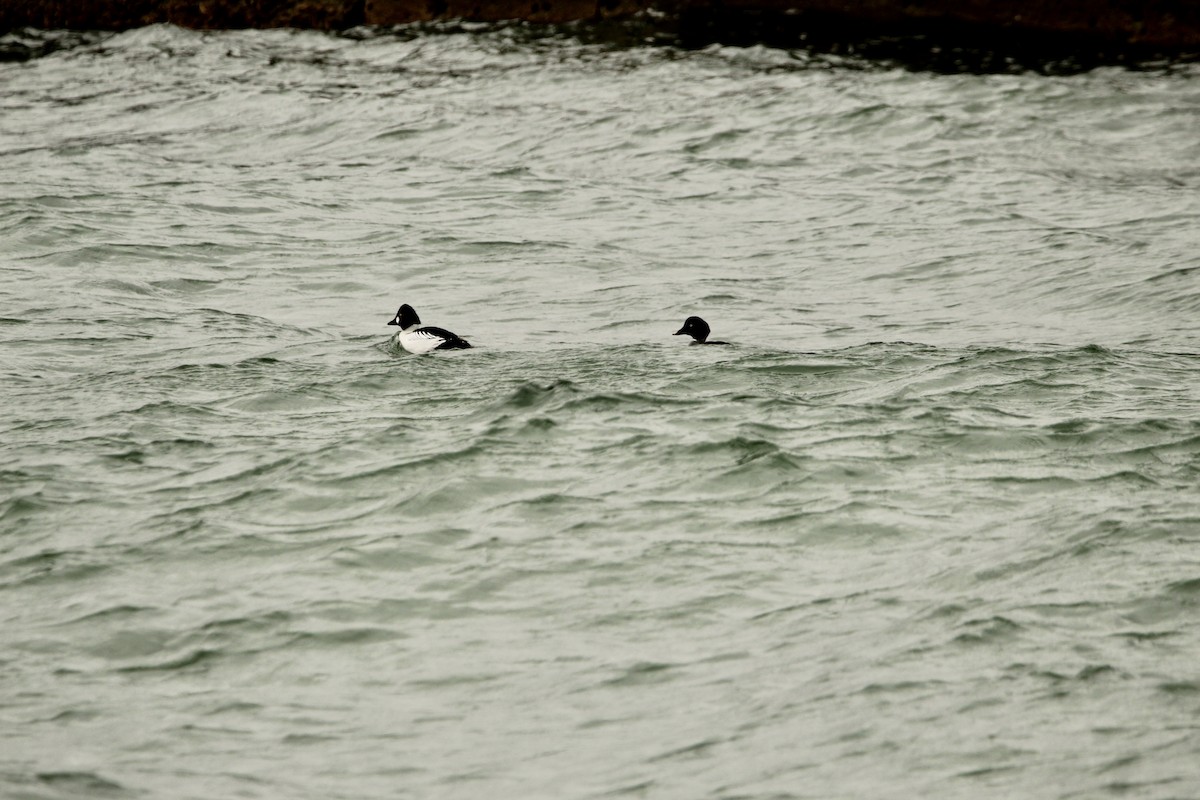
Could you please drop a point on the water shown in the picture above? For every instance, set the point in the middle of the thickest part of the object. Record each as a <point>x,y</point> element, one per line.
<point>930,528</point>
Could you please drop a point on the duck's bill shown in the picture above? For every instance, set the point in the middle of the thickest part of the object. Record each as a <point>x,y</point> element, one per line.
<point>676,333</point>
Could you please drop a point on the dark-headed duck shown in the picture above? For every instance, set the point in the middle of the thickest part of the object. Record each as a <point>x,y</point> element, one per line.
<point>698,329</point>
<point>417,338</point>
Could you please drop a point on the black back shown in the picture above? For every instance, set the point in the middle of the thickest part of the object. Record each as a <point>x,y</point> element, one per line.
<point>453,341</point>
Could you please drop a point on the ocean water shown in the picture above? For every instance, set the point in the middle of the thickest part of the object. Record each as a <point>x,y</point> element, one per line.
<point>928,527</point>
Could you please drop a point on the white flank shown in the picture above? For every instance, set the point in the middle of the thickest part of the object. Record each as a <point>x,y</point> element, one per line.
<point>418,341</point>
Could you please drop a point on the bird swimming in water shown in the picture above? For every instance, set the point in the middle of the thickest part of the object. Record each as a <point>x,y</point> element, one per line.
<point>698,329</point>
<point>417,338</point>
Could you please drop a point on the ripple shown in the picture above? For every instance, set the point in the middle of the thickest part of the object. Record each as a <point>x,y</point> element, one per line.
<point>940,491</point>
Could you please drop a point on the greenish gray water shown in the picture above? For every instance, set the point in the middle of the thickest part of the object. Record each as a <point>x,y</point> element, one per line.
<point>930,527</point>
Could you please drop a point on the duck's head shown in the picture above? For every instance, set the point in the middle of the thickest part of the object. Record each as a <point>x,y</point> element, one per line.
<point>695,327</point>
<point>405,317</point>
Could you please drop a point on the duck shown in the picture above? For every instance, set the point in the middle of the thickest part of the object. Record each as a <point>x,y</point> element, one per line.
<point>698,329</point>
<point>417,338</point>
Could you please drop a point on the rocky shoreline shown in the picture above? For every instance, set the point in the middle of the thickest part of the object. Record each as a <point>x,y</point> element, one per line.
<point>935,34</point>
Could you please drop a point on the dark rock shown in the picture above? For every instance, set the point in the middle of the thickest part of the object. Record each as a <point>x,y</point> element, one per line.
<point>1051,35</point>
